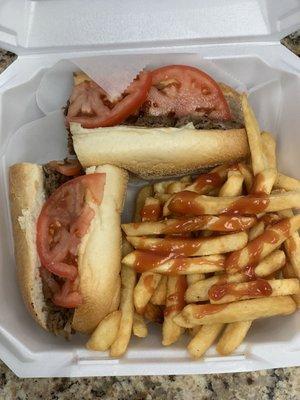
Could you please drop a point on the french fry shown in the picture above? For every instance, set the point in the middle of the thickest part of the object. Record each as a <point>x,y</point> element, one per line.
<point>232,337</point>
<point>191,266</point>
<point>285,213</point>
<point>292,249</point>
<point>208,333</point>
<point>192,247</point>
<point>287,183</point>
<point>292,246</point>
<point>148,281</point>
<point>193,278</point>
<point>195,330</point>
<point>202,341</point>
<point>126,247</point>
<point>220,223</point>
<point>161,187</point>
<point>149,201</point>
<point>263,245</point>
<point>192,203</point>
<point>271,218</point>
<point>289,272</point>
<point>271,263</point>
<point>105,333</point>
<point>262,184</point>
<point>119,346</point>
<point>233,186</point>
<point>145,192</point>
<point>254,137</point>
<point>247,174</point>
<point>141,260</point>
<point>139,327</point>
<point>186,179</point>
<point>245,310</point>
<point>174,304</point>
<point>269,149</point>
<point>264,181</point>
<point>256,230</point>
<point>254,289</point>
<point>209,181</point>
<point>151,210</point>
<point>160,294</point>
<point>176,187</point>
<point>144,290</point>
<point>167,186</point>
<point>199,290</point>
<point>154,313</point>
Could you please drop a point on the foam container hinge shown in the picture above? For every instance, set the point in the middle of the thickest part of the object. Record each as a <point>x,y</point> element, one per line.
<point>270,74</point>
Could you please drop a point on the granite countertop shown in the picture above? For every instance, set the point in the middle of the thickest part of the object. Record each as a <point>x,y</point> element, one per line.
<point>277,384</point>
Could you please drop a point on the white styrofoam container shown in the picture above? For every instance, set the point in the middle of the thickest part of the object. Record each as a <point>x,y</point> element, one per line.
<point>242,38</point>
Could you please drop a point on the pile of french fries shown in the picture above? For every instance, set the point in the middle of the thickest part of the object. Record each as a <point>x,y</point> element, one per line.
<point>210,256</point>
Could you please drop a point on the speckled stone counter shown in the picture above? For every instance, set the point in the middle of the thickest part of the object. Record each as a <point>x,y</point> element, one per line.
<point>278,384</point>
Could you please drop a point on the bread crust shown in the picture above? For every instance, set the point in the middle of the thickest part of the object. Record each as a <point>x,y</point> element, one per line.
<point>99,254</point>
<point>158,152</point>
<point>26,190</point>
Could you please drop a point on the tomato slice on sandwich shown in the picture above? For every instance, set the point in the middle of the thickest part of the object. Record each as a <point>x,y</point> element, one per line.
<point>69,168</point>
<point>63,221</point>
<point>184,91</point>
<point>90,106</point>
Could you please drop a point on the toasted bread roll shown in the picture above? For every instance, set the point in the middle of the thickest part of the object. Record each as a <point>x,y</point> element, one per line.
<point>157,152</point>
<point>99,254</point>
<point>26,201</point>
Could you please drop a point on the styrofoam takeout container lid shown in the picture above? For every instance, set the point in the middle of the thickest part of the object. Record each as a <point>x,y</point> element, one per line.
<point>239,40</point>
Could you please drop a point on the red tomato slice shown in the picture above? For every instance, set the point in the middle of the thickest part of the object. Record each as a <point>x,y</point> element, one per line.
<point>64,219</point>
<point>71,300</point>
<point>59,249</point>
<point>185,90</point>
<point>89,104</point>
<point>68,169</point>
<point>81,225</point>
<point>66,297</point>
<point>63,270</point>
<point>62,209</point>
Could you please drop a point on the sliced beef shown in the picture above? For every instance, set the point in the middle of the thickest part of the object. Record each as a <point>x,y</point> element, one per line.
<point>52,180</point>
<point>151,121</point>
<point>173,121</point>
<point>59,320</point>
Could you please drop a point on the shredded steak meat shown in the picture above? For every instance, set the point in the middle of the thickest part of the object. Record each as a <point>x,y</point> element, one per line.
<point>53,180</point>
<point>173,121</point>
<point>59,319</point>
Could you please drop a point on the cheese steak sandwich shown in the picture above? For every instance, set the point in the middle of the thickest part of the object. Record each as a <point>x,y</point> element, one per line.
<point>172,120</point>
<point>66,226</point>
